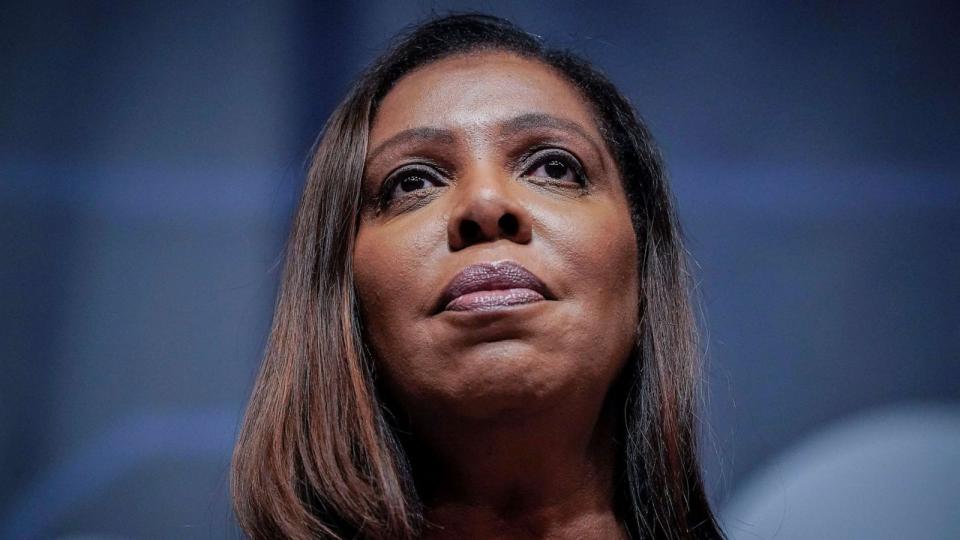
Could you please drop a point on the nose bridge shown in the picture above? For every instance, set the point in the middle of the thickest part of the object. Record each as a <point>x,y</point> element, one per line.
<point>482,177</point>
<point>486,208</point>
<point>483,184</point>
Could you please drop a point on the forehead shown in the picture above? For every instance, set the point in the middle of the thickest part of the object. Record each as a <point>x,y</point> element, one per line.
<point>473,91</point>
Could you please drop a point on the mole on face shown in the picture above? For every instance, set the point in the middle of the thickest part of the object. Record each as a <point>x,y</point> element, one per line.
<point>495,262</point>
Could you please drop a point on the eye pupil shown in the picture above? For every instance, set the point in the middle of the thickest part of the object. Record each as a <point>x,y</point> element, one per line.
<point>411,183</point>
<point>555,169</point>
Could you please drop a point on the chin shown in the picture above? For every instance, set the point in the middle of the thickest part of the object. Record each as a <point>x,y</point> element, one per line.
<point>507,378</point>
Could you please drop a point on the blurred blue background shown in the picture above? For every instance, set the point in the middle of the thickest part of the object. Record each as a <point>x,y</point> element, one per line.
<point>151,155</point>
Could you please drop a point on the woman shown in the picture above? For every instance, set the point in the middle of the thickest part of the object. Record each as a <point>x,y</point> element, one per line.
<point>482,329</point>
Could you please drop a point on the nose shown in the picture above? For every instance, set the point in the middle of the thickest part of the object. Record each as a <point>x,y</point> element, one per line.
<point>486,212</point>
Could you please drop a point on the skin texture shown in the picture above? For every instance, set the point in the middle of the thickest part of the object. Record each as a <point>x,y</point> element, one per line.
<point>507,407</point>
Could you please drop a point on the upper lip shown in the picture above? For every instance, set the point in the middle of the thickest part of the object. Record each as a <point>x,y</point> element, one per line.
<point>493,276</point>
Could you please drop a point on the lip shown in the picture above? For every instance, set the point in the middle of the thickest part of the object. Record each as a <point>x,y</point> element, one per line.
<point>494,285</point>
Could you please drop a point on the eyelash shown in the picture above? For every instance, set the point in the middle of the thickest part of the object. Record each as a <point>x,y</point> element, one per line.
<point>543,157</point>
<point>384,198</point>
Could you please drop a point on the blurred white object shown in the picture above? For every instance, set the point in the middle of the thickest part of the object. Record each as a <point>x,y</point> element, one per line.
<point>889,474</point>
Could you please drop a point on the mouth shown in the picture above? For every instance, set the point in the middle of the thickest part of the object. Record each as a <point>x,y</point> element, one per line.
<point>492,286</point>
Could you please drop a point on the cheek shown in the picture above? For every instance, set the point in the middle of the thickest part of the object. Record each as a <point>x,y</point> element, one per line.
<point>601,254</point>
<point>392,273</point>
<point>382,274</point>
<point>378,285</point>
<point>368,274</point>
<point>601,247</point>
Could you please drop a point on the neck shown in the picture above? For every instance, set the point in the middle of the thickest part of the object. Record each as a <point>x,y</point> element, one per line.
<point>540,476</point>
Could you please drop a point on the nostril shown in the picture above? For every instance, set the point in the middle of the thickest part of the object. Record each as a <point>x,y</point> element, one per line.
<point>508,224</point>
<point>469,231</point>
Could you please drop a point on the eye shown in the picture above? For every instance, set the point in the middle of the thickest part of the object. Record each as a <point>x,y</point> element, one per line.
<point>557,165</point>
<point>408,182</point>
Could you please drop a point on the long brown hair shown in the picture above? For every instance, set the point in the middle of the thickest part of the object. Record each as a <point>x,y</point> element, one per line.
<point>317,456</point>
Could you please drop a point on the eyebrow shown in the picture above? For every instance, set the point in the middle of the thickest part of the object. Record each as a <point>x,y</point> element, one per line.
<point>414,135</point>
<point>523,122</point>
<point>530,121</point>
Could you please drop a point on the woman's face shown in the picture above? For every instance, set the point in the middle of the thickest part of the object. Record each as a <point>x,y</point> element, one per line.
<point>495,262</point>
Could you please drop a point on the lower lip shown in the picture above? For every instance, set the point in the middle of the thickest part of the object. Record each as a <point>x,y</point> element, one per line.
<point>493,300</point>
